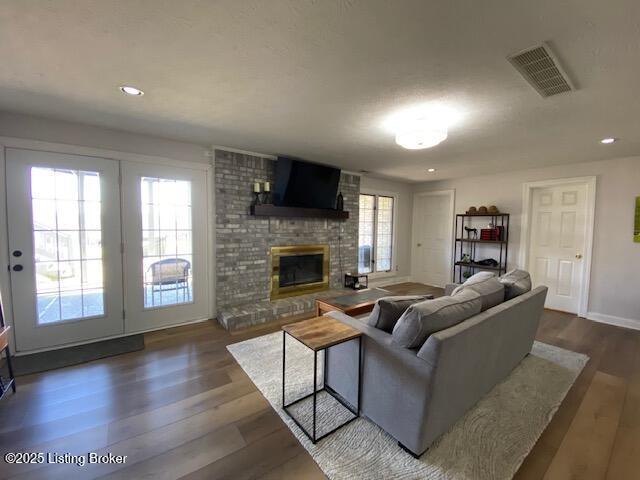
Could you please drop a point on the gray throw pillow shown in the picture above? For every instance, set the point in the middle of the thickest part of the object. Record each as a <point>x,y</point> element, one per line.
<point>388,310</point>
<point>487,285</point>
<point>516,282</point>
<point>424,318</point>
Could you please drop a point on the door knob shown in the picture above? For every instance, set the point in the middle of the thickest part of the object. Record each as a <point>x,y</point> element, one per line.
<point>17,268</point>
<point>419,244</point>
<point>17,253</point>
<point>578,256</point>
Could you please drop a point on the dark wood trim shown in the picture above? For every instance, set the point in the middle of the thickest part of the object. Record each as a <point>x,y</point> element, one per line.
<point>276,211</point>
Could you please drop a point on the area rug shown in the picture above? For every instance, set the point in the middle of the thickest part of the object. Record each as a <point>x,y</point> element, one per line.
<point>489,442</point>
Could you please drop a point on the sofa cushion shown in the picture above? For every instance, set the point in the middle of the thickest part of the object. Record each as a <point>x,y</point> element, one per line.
<point>424,318</point>
<point>516,282</point>
<point>388,310</point>
<point>487,285</point>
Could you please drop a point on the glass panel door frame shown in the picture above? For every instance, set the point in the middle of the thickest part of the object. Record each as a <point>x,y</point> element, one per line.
<point>189,288</point>
<point>103,322</point>
<point>373,271</point>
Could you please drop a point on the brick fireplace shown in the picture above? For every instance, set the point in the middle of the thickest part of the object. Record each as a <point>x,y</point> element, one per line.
<point>243,242</point>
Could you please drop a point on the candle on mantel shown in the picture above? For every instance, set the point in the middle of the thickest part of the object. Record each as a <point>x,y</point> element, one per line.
<point>256,187</point>
<point>267,187</point>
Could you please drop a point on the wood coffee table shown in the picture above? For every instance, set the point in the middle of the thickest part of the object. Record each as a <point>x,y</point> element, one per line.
<point>352,304</point>
<point>317,334</point>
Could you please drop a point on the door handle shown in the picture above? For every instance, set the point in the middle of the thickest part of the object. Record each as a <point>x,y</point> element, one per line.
<point>17,268</point>
<point>578,256</point>
<point>17,253</point>
<point>419,244</point>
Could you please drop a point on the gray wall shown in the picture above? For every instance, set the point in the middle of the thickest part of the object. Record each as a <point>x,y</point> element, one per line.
<point>243,242</point>
<point>616,258</point>
<point>58,131</point>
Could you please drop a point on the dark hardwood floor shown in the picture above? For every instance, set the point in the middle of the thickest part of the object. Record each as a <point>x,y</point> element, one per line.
<point>183,408</point>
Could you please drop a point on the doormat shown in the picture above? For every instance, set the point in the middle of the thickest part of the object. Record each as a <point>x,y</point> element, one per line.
<point>65,357</point>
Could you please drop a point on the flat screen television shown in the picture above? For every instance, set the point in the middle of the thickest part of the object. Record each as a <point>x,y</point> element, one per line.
<point>305,184</point>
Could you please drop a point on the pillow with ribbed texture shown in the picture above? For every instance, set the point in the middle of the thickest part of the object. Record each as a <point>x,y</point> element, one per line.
<point>388,310</point>
<point>424,318</point>
<point>516,282</point>
<point>487,285</point>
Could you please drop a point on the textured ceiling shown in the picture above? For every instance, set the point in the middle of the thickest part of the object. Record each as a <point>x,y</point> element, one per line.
<point>317,79</point>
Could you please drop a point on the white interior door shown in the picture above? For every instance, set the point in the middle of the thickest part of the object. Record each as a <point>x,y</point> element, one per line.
<point>165,245</point>
<point>557,242</point>
<point>64,246</point>
<point>432,237</point>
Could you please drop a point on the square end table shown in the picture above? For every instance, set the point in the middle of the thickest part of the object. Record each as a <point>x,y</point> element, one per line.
<point>319,334</point>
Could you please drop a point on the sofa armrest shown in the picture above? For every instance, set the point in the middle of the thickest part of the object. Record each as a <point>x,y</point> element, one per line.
<point>449,288</point>
<point>395,381</point>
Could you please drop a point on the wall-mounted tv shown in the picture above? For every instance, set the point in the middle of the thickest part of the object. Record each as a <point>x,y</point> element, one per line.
<point>305,184</point>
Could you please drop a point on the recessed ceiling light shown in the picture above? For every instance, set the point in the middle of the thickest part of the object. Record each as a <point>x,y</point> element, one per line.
<point>431,170</point>
<point>608,140</point>
<point>133,91</point>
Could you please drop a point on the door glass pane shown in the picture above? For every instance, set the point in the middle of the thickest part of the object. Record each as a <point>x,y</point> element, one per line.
<point>384,234</point>
<point>166,241</point>
<point>67,244</point>
<point>365,235</point>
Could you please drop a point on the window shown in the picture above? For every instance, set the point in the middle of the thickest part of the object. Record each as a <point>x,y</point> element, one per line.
<point>68,244</point>
<point>375,237</point>
<point>167,247</point>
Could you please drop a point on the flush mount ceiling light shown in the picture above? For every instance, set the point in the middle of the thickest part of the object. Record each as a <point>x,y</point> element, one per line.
<point>423,134</point>
<point>608,140</point>
<point>133,91</point>
<point>421,127</point>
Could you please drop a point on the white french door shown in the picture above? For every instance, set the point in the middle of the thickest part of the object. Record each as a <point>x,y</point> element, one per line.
<point>64,247</point>
<point>165,245</point>
<point>102,248</point>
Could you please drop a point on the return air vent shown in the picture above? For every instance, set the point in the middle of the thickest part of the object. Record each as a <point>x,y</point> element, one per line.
<point>541,69</point>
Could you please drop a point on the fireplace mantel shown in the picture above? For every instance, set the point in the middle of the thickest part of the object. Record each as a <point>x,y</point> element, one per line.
<point>275,211</point>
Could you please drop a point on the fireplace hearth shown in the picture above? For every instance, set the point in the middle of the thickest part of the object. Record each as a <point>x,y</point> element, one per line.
<point>299,269</point>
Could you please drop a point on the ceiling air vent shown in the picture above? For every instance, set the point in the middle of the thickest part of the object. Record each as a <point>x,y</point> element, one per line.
<point>542,70</point>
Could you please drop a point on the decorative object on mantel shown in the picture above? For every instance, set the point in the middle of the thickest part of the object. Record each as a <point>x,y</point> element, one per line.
<point>266,195</point>
<point>256,194</point>
<point>340,202</point>
<point>356,282</point>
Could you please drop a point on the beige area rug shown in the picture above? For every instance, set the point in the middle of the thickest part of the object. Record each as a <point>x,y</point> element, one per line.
<point>489,442</point>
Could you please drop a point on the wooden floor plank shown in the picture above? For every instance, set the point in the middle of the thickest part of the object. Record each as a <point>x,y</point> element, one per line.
<point>586,448</point>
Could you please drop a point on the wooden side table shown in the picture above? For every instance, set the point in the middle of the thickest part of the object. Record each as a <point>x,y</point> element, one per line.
<point>318,334</point>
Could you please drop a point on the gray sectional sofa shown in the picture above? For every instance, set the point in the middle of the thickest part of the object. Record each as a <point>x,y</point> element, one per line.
<point>416,394</point>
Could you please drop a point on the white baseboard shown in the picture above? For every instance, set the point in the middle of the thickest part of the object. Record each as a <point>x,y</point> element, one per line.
<point>612,320</point>
<point>383,281</point>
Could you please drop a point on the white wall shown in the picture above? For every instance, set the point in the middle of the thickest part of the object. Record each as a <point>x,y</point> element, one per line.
<point>615,281</point>
<point>404,212</point>
<point>58,131</point>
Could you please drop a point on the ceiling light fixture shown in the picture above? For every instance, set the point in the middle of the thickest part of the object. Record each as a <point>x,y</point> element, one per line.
<point>608,140</point>
<point>133,91</point>
<point>431,170</point>
<point>424,126</point>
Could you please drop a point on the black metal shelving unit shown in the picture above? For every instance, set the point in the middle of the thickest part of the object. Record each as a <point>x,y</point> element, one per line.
<point>463,245</point>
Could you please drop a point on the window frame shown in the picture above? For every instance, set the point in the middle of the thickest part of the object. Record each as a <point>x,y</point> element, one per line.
<point>377,194</point>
